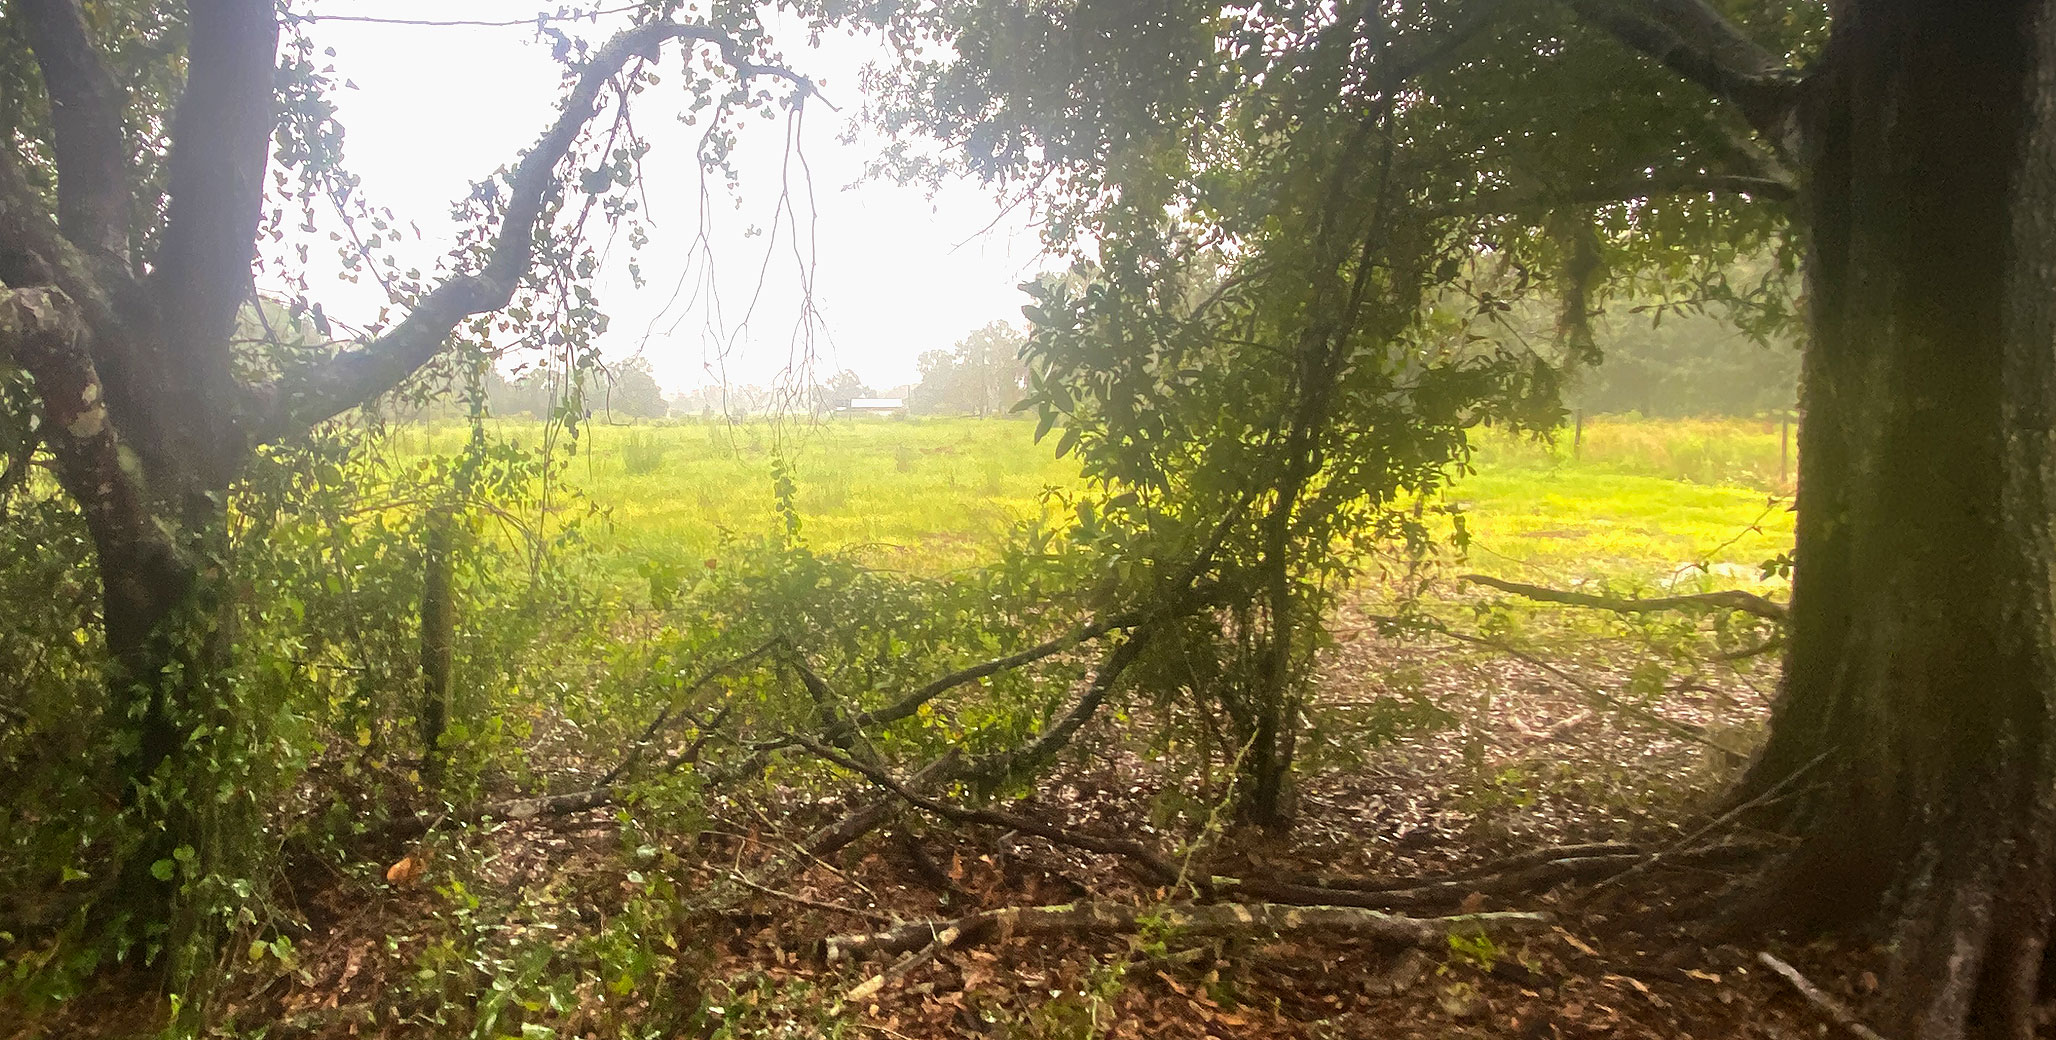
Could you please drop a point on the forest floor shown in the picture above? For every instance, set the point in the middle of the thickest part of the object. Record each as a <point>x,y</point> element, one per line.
<point>1526,766</point>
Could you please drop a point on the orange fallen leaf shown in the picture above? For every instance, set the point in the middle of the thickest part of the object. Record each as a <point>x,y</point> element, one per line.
<point>1577,943</point>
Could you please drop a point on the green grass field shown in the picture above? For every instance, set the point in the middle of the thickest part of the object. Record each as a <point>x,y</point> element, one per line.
<point>1636,501</point>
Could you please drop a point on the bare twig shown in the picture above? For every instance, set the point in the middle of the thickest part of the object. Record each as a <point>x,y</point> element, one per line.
<point>1836,1011</point>
<point>816,904</point>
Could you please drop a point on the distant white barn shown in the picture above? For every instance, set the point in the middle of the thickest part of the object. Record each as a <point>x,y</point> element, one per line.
<point>876,405</point>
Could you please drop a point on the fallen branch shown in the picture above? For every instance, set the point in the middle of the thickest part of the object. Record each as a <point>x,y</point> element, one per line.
<point>511,809</point>
<point>1836,1011</point>
<point>1729,599</point>
<point>872,815</point>
<point>656,724</point>
<point>912,702</point>
<point>870,987</point>
<point>1212,919</point>
<point>1503,865</point>
<point>1027,758</point>
<point>1149,859</point>
<point>1536,877</point>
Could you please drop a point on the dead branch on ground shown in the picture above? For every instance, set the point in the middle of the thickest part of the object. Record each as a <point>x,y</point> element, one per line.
<point>1836,1011</point>
<point>1728,599</point>
<point>1152,862</point>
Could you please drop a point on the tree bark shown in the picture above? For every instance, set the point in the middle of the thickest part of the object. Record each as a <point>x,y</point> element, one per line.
<point>1921,659</point>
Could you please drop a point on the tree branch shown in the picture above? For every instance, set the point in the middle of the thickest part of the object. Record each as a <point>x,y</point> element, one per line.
<point>221,143</point>
<point>1730,599</point>
<point>85,120</point>
<point>352,378</point>
<point>45,332</point>
<point>911,703</point>
<point>33,252</point>
<point>1780,187</point>
<point>1692,39</point>
<point>1152,862</point>
<point>1836,1011</point>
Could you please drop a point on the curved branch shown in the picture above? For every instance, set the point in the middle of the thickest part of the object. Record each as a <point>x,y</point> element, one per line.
<point>911,703</point>
<point>85,120</point>
<point>1729,599</point>
<point>221,143</point>
<point>1697,42</point>
<point>352,378</point>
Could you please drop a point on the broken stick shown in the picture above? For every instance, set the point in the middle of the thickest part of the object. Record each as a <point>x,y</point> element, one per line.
<point>1829,1006</point>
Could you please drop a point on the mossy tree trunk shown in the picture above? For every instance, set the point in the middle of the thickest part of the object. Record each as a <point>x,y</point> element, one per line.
<point>1920,685</point>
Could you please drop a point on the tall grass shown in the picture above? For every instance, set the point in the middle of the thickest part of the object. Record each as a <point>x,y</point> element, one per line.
<point>1735,452</point>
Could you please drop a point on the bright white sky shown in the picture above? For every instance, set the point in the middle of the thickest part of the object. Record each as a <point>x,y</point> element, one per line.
<point>896,273</point>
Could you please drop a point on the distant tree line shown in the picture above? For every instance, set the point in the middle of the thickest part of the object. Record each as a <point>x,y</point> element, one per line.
<point>625,391</point>
<point>1676,365</point>
<point>982,375</point>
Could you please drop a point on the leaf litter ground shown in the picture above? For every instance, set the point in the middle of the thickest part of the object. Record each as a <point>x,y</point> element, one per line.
<point>1525,762</point>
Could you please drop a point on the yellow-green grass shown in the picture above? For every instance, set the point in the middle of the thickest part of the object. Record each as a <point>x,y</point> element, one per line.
<point>1636,501</point>
<point>919,493</point>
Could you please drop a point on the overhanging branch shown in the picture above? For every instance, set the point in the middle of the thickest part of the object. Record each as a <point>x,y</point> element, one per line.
<point>352,378</point>
<point>1662,184</point>
<point>1697,42</point>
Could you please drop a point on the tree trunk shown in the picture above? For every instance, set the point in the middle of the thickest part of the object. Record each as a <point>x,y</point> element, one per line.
<point>438,634</point>
<point>1921,664</point>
